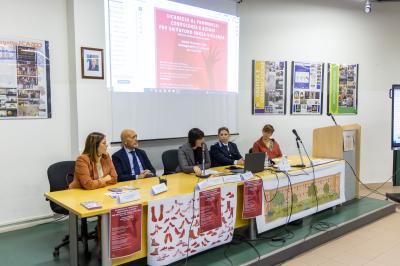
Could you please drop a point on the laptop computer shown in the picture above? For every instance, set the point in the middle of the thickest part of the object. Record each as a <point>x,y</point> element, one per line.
<point>253,162</point>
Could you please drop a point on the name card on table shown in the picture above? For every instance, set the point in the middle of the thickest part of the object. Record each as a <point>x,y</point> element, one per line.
<point>128,197</point>
<point>160,188</point>
<point>232,178</point>
<point>212,181</point>
<point>246,176</point>
<point>215,181</point>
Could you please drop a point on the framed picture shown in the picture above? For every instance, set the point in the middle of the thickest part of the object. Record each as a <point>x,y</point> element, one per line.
<point>92,64</point>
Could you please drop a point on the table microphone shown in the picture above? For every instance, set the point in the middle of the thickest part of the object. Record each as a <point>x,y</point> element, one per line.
<point>333,118</point>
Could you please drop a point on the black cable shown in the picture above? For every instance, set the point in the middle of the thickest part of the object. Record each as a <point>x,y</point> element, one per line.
<point>313,170</point>
<point>191,224</point>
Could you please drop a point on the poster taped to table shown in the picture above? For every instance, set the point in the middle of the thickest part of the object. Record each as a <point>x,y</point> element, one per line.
<point>24,79</point>
<point>307,88</point>
<point>172,233</point>
<point>277,204</point>
<point>269,87</point>
<point>125,231</point>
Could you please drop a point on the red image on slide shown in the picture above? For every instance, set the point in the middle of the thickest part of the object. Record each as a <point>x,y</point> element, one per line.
<point>191,51</point>
<point>210,209</point>
<point>125,231</point>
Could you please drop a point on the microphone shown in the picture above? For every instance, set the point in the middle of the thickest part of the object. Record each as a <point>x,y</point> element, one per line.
<point>297,135</point>
<point>333,118</point>
<point>298,139</point>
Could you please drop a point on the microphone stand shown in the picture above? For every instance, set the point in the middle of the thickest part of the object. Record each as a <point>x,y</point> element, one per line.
<point>333,118</point>
<point>301,156</point>
<point>203,161</point>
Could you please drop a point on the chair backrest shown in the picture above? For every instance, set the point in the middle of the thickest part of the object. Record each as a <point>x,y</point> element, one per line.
<point>60,175</point>
<point>251,150</point>
<point>170,161</point>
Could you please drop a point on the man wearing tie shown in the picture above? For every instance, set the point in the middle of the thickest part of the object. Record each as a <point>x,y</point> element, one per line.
<point>224,152</point>
<point>130,162</point>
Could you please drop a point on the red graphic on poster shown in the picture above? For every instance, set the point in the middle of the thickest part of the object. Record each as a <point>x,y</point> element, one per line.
<point>210,209</point>
<point>125,231</point>
<point>191,51</point>
<point>252,198</point>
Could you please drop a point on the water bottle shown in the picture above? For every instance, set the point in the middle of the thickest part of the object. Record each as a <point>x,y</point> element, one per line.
<point>266,162</point>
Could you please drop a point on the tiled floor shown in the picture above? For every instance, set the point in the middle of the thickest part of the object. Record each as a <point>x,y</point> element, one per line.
<point>377,244</point>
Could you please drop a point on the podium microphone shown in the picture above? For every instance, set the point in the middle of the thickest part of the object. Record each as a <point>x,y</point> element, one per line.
<point>298,139</point>
<point>297,135</point>
<point>333,118</point>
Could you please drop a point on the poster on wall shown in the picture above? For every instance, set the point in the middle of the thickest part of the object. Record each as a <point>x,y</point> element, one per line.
<point>269,87</point>
<point>307,88</point>
<point>342,88</point>
<point>24,79</point>
<point>174,225</point>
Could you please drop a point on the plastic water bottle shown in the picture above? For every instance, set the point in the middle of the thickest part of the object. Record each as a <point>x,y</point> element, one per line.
<point>266,162</point>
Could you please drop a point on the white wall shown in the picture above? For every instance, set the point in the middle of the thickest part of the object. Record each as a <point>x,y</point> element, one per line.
<point>28,147</point>
<point>327,31</point>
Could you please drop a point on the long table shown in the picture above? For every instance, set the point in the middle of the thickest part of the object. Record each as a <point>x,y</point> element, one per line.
<point>178,184</point>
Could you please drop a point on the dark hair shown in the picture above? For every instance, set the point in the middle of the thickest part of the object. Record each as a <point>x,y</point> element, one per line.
<point>222,129</point>
<point>268,129</point>
<point>92,144</point>
<point>193,135</point>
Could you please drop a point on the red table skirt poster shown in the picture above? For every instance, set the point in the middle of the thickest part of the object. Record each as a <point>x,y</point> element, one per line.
<point>252,198</point>
<point>125,231</point>
<point>173,230</point>
<point>210,209</point>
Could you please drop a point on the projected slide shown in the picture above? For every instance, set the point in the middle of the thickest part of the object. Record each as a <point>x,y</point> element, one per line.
<point>171,67</point>
<point>166,45</point>
<point>191,51</point>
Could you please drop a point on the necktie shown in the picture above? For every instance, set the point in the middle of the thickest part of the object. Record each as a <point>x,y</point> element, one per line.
<point>136,167</point>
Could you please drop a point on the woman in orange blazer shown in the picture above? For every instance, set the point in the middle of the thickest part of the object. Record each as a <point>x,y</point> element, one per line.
<point>267,144</point>
<point>94,167</point>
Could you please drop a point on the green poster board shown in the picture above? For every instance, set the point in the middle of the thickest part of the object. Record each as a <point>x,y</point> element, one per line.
<point>342,88</point>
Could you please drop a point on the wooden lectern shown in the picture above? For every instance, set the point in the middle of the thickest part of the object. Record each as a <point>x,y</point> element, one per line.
<point>341,142</point>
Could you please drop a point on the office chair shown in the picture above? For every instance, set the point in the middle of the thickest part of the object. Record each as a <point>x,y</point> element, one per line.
<point>170,161</point>
<point>60,175</point>
<point>251,150</point>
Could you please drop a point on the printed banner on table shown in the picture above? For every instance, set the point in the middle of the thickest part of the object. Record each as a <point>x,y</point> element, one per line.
<point>210,209</point>
<point>199,60</point>
<point>172,232</point>
<point>252,198</point>
<point>125,231</point>
<point>279,196</point>
<point>307,88</point>
<point>342,88</point>
<point>269,87</point>
<point>24,79</point>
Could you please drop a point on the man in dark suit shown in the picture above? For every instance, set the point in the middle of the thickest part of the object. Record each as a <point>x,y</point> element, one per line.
<point>130,162</point>
<point>225,152</point>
